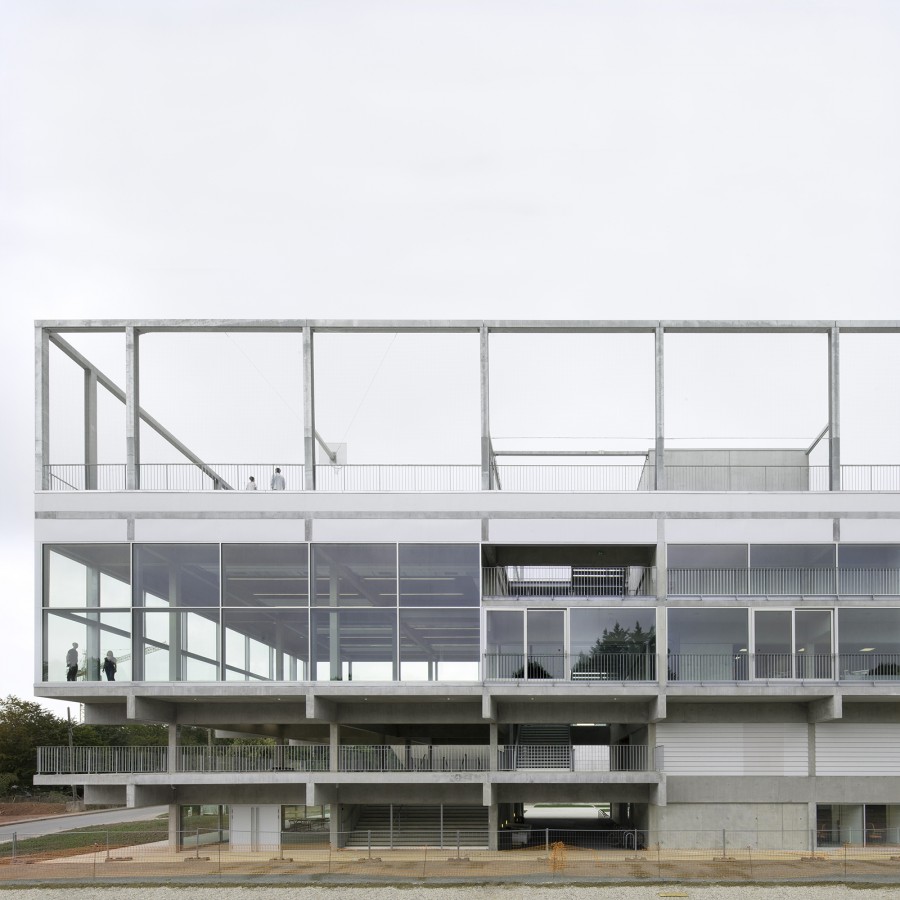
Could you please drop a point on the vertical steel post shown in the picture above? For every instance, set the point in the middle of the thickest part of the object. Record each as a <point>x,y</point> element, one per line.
<point>41,409</point>
<point>834,409</point>
<point>309,411</point>
<point>90,429</point>
<point>132,410</point>
<point>659,471</point>
<point>486,454</point>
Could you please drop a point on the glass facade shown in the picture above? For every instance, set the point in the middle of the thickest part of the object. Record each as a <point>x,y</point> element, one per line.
<point>262,612</point>
<point>412,612</point>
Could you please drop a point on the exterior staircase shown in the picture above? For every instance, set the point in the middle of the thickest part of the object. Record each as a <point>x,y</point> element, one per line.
<point>420,826</point>
<point>543,747</point>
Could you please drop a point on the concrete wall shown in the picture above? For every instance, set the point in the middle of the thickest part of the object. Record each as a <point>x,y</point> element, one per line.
<point>755,825</point>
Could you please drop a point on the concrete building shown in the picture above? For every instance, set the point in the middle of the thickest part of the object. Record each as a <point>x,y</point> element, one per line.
<point>703,639</point>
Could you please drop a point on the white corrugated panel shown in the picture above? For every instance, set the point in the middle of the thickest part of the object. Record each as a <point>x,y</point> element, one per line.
<point>734,748</point>
<point>843,748</point>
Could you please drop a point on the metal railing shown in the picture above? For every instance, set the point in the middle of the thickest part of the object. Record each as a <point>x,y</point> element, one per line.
<point>375,758</point>
<point>101,760</point>
<point>788,581</point>
<point>253,758</point>
<point>579,757</point>
<point>637,666</point>
<point>568,581</point>
<point>450,477</point>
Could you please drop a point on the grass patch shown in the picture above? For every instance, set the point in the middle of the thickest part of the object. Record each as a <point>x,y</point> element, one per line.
<point>82,840</point>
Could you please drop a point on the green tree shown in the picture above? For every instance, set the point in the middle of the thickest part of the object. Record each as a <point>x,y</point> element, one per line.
<point>24,726</point>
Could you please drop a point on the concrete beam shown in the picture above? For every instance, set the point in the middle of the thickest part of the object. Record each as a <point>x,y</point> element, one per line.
<point>657,710</point>
<point>827,709</point>
<point>105,714</point>
<point>488,707</point>
<point>320,710</point>
<point>142,709</point>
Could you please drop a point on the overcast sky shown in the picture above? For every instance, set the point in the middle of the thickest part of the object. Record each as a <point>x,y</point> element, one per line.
<point>470,160</point>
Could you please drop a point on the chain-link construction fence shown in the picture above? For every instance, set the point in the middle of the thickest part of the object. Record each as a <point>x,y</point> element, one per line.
<point>98,854</point>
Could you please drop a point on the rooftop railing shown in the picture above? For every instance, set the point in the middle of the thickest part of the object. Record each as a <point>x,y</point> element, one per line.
<point>378,758</point>
<point>445,477</point>
<point>622,666</point>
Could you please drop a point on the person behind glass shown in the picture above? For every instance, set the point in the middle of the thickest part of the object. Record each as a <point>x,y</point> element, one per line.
<point>109,666</point>
<point>72,663</point>
<point>277,480</point>
<point>251,484</point>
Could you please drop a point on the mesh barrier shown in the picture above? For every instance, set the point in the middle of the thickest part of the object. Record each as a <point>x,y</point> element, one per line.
<point>94,854</point>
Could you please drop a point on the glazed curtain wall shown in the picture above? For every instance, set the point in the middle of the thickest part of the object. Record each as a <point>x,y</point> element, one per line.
<point>205,612</point>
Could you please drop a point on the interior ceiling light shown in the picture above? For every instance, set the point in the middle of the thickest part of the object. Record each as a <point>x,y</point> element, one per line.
<point>866,649</point>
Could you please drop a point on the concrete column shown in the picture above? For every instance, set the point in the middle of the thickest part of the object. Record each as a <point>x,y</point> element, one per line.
<point>493,823</point>
<point>172,767</point>
<point>92,649</point>
<point>493,751</point>
<point>334,742</point>
<point>90,429</point>
<point>309,411</point>
<point>486,474</point>
<point>660,440</point>
<point>174,826</point>
<point>41,410</point>
<point>132,411</point>
<point>834,409</point>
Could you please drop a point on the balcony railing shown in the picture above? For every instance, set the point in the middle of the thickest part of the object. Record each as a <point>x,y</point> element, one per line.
<point>692,667</point>
<point>791,581</point>
<point>448,477</point>
<point>568,581</point>
<point>705,667</point>
<point>638,666</point>
<point>243,758</point>
<point>580,758</point>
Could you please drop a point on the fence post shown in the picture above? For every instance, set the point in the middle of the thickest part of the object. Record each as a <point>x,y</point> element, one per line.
<point>197,847</point>
<point>724,854</point>
<point>547,840</point>
<point>457,845</point>
<point>107,846</point>
<point>369,839</point>
<point>15,842</point>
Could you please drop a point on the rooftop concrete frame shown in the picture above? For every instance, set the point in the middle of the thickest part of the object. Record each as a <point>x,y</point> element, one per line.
<point>307,328</point>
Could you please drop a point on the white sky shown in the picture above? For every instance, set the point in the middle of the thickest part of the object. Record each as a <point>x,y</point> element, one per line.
<point>428,160</point>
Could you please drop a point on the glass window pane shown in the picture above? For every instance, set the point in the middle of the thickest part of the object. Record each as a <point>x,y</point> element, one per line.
<point>87,575</point>
<point>266,644</point>
<point>707,556</point>
<point>869,556</point>
<point>96,634</point>
<point>439,574</point>
<point>505,643</point>
<point>439,644</point>
<point>179,575</point>
<point>354,644</point>
<point>708,644</point>
<point>265,574</point>
<point>355,574</point>
<point>869,643</point>
<point>774,643</point>
<point>178,646</point>
<point>613,644</point>
<point>612,630</point>
<point>808,556</point>
<point>546,643</point>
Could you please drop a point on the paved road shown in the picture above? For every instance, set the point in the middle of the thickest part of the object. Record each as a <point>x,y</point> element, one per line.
<point>108,817</point>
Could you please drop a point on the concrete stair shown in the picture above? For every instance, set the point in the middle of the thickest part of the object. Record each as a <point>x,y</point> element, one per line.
<point>420,826</point>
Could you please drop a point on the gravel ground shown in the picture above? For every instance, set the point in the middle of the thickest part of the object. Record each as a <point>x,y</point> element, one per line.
<point>486,892</point>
